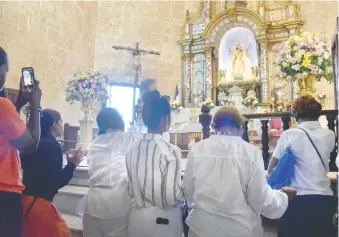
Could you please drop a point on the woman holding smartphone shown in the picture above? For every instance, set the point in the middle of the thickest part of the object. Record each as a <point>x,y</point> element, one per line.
<point>15,136</point>
<point>43,177</point>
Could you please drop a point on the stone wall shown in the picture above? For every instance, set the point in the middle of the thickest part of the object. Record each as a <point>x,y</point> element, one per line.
<point>56,38</point>
<point>155,25</point>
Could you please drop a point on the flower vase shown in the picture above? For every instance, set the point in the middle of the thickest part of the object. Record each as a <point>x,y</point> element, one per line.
<point>87,106</point>
<point>306,86</point>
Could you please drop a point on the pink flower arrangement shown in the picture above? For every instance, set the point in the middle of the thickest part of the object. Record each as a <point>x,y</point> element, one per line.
<point>304,55</point>
<point>87,84</point>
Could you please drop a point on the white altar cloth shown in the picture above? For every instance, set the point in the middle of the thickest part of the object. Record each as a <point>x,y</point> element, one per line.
<point>181,120</point>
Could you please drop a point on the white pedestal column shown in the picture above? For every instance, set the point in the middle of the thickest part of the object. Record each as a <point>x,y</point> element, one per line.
<point>86,135</point>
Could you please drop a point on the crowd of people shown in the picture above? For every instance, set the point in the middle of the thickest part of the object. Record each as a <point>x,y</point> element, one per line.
<point>135,183</point>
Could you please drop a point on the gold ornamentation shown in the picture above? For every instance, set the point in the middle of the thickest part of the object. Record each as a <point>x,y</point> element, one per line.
<point>306,86</point>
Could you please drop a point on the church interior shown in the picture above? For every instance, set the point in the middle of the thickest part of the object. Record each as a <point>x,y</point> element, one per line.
<point>200,54</point>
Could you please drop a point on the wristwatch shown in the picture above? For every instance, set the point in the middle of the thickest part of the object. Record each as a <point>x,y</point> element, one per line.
<point>283,190</point>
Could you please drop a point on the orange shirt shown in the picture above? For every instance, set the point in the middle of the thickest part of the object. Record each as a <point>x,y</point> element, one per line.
<point>11,127</point>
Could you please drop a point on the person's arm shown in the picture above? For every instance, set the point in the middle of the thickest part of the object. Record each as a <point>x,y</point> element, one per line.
<point>29,140</point>
<point>188,181</point>
<point>273,162</point>
<point>66,175</point>
<point>277,154</point>
<point>173,179</point>
<point>270,203</point>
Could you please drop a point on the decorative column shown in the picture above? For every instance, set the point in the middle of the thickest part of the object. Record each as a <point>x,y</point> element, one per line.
<point>265,141</point>
<point>286,119</point>
<point>208,73</point>
<point>86,125</point>
<point>245,133</point>
<point>186,85</point>
<point>264,73</point>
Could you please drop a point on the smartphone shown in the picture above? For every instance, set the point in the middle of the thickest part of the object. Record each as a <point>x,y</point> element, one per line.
<point>28,78</point>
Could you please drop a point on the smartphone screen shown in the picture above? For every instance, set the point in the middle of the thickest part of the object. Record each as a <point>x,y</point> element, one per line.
<point>28,78</point>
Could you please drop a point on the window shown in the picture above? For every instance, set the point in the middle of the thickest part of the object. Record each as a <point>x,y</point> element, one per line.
<point>120,98</point>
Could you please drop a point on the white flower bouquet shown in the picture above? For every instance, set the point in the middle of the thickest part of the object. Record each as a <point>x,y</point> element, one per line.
<point>87,84</point>
<point>304,55</point>
<point>176,106</point>
<point>250,101</point>
<point>208,103</point>
<point>223,99</point>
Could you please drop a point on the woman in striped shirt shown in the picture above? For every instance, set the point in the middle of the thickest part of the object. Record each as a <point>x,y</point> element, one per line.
<point>153,167</point>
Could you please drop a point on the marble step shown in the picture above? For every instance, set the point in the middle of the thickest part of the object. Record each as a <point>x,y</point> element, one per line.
<point>68,198</point>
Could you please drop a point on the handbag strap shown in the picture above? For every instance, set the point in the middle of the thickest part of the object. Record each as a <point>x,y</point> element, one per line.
<point>30,207</point>
<point>314,148</point>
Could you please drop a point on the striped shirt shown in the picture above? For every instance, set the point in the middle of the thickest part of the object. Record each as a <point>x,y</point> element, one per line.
<point>153,167</point>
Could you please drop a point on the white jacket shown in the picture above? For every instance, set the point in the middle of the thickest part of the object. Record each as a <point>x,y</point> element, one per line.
<point>225,179</point>
<point>108,195</point>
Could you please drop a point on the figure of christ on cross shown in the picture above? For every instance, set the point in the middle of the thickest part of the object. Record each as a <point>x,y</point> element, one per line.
<point>136,53</point>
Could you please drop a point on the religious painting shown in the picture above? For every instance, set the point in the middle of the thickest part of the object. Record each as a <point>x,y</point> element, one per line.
<point>238,56</point>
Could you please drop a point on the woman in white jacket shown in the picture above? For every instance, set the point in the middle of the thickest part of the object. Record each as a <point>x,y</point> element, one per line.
<point>225,179</point>
<point>107,203</point>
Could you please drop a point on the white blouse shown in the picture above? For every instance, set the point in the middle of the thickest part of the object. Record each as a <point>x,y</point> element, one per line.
<point>154,169</point>
<point>225,179</point>
<point>310,176</point>
<point>108,195</point>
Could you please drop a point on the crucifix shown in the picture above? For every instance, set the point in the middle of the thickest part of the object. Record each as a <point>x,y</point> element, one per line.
<point>136,53</point>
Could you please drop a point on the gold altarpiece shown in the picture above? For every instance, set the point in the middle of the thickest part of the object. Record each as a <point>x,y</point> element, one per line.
<point>270,22</point>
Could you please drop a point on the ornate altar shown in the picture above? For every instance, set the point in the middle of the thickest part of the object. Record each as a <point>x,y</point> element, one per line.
<point>230,43</point>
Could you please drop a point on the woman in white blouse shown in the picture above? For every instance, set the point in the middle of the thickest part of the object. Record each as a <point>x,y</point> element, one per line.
<point>225,179</point>
<point>310,213</point>
<point>153,167</point>
<point>107,203</point>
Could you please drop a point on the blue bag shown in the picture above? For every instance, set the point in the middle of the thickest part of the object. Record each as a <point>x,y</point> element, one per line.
<point>283,172</point>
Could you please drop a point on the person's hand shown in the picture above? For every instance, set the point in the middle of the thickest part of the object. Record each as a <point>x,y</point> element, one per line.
<point>291,193</point>
<point>33,96</point>
<point>77,158</point>
<point>22,100</point>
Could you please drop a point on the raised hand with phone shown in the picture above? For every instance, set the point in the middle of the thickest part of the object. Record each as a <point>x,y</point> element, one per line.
<point>30,91</point>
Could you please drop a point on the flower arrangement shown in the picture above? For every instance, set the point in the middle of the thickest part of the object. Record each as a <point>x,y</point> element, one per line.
<point>208,103</point>
<point>302,56</point>
<point>87,84</point>
<point>176,106</point>
<point>223,99</point>
<point>250,101</point>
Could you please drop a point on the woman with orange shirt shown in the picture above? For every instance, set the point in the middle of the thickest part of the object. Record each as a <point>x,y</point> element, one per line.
<point>15,136</point>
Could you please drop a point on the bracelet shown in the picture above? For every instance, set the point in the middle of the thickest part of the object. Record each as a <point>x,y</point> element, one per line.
<point>39,109</point>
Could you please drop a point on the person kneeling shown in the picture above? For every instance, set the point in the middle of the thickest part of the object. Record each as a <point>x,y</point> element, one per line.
<point>43,177</point>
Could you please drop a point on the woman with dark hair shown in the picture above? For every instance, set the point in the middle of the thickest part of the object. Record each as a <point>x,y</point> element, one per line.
<point>310,213</point>
<point>153,167</point>
<point>225,179</point>
<point>43,177</point>
<point>107,203</point>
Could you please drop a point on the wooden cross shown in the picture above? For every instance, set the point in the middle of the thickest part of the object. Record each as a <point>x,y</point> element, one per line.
<point>136,52</point>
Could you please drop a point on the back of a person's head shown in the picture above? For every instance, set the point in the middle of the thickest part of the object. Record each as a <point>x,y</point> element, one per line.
<point>48,118</point>
<point>3,57</point>
<point>227,117</point>
<point>154,109</point>
<point>306,108</point>
<point>109,119</point>
<point>3,67</point>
